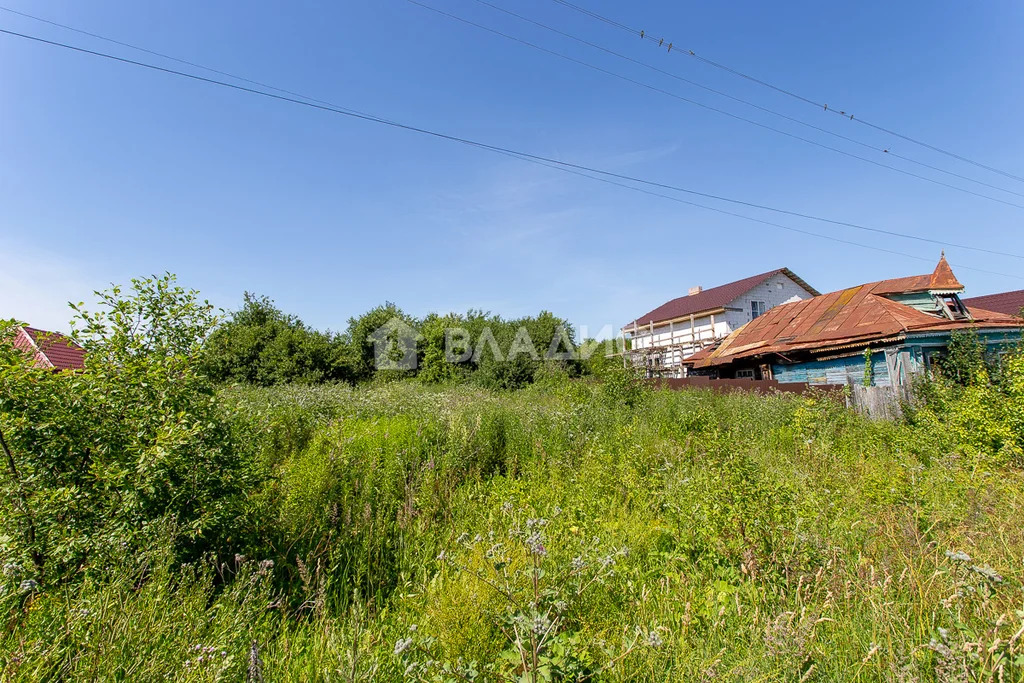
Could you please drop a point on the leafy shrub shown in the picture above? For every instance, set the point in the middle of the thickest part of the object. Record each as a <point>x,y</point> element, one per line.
<point>261,345</point>
<point>96,459</point>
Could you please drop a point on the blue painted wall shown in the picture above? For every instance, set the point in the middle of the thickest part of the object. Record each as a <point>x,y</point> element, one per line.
<point>848,370</point>
<point>918,349</point>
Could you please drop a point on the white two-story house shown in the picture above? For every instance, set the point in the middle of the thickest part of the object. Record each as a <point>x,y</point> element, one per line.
<point>663,337</point>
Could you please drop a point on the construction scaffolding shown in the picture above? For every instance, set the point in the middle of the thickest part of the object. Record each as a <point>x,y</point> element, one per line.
<point>660,351</point>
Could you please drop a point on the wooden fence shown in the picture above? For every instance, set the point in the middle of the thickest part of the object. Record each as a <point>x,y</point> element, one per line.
<point>880,403</point>
<point>759,386</point>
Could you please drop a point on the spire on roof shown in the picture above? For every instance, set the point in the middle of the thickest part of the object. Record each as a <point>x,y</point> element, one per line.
<point>943,277</point>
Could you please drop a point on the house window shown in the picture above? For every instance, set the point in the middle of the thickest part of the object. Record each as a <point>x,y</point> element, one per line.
<point>745,374</point>
<point>756,308</point>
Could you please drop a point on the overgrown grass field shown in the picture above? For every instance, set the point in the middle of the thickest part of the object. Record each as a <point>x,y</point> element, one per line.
<point>571,530</point>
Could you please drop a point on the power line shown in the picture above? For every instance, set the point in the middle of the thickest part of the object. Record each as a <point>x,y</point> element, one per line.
<point>709,107</point>
<point>578,169</point>
<point>748,103</point>
<point>162,55</point>
<point>312,99</point>
<point>789,93</point>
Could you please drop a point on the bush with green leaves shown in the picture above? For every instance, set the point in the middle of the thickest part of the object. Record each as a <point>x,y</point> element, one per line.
<point>96,460</point>
<point>259,344</point>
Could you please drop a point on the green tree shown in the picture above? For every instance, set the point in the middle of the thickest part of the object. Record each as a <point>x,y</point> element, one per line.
<point>105,458</point>
<point>359,351</point>
<point>262,345</point>
<point>599,357</point>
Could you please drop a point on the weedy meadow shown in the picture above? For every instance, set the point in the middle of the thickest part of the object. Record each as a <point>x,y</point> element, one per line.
<point>579,527</point>
<point>402,532</point>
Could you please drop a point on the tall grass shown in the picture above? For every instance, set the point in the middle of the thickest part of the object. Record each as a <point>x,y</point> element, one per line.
<point>672,535</point>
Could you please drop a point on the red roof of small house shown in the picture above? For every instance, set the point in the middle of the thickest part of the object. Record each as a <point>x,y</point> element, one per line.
<point>844,319</point>
<point>1009,303</point>
<point>50,349</point>
<point>711,299</point>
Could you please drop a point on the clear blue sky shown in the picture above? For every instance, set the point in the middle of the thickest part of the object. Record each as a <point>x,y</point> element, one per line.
<point>108,171</point>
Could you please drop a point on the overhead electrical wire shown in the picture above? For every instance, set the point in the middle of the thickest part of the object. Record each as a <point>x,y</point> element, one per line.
<point>162,55</point>
<point>578,169</point>
<point>662,42</point>
<point>708,107</point>
<point>768,110</point>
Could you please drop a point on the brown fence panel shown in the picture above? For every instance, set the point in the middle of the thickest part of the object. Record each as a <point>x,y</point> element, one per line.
<point>759,386</point>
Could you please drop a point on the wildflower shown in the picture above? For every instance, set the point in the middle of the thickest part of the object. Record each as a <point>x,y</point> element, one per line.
<point>442,556</point>
<point>944,634</point>
<point>478,538</point>
<point>578,563</point>
<point>11,568</point>
<point>402,645</point>
<point>653,639</point>
<point>413,627</point>
<point>988,573</point>
<point>536,544</point>
<point>28,585</point>
<point>463,537</point>
<point>958,556</point>
<point>506,507</point>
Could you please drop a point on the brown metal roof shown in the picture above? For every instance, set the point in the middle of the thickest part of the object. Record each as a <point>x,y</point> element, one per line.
<point>711,299</point>
<point>859,314</point>
<point>942,279</point>
<point>1008,303</point>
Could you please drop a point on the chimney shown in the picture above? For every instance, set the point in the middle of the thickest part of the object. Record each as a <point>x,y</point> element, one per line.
<point>696,290</point>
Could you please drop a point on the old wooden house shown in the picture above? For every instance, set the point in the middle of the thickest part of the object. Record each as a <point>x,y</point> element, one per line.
<point>894,327</point>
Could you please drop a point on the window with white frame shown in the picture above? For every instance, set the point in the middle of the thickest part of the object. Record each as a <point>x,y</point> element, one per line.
<point>747,373</point>
<point>756,308</point>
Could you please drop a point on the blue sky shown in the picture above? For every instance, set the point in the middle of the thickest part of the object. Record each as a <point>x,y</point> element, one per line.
<point>108,171</point>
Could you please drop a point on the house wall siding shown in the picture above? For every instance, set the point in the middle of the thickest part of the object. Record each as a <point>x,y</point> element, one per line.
<point>906,359</point>
<point>775,291</point>
<point>848,370</point>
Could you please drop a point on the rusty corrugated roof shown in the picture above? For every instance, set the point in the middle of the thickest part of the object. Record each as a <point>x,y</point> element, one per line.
<point>856,315</point>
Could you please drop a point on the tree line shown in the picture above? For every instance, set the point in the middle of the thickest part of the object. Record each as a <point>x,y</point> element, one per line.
<point>262,345</point>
